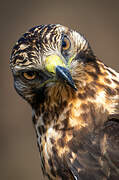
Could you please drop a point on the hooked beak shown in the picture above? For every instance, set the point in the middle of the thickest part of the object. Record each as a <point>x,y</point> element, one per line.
<point>64,74</point>
<point>54,64</point>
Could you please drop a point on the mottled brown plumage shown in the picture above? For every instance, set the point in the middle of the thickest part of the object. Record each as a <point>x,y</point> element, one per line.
<point>75,103</point>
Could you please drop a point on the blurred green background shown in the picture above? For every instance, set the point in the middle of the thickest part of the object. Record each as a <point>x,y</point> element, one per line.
<point>97,20</point>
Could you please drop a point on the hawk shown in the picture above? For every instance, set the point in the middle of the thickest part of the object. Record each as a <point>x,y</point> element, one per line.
<point>75,103</point>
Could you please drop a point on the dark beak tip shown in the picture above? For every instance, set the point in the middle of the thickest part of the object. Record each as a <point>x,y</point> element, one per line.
<point>63,73</point>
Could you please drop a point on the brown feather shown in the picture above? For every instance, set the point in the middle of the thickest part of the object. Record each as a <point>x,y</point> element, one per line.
<point>77,131</point>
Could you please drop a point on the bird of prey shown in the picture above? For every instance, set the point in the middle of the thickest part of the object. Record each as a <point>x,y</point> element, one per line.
<point>75,103</point>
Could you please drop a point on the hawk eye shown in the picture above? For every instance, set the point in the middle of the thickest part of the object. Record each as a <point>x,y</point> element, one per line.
<point>29,75</point>
<point>66,44</point>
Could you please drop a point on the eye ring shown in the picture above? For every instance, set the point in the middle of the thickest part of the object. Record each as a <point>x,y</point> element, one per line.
<point>29,75</point>
<point>66,44</point>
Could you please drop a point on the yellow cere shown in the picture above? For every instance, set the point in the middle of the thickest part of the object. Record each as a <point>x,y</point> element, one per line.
<point>53,61</point>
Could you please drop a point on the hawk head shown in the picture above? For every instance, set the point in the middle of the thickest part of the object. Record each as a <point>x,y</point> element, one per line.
<point>46,56</point>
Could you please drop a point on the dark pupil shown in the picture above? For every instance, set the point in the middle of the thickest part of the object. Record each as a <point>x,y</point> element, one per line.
<point>30,73</point>
<point>64,44</point>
